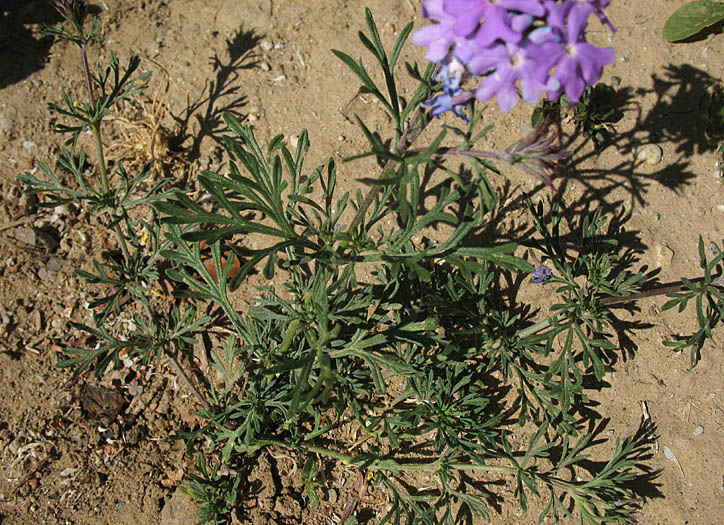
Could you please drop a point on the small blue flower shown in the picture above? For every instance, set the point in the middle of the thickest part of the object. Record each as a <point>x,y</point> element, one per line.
<point>451,74</point>
<point>541,274</point>
<point>442,103</point>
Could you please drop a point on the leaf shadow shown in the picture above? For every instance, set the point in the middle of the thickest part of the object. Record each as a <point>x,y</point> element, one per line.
<point>220,95</point>
<point>21,52</point>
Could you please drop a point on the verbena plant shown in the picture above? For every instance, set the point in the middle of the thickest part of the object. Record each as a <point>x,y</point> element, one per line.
<point>431,355</point>
<point>123,203</point>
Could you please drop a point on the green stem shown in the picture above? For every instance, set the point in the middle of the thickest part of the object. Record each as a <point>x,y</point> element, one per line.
<point>411,134</point>
<point>534,329</point>
<point>86,72</point>
<point>180,371</point>
<point>395,466</point>
<point>652,292</point>
<point>96,127</point>
<point>606,301</point>
<point>122,242</point>
<point>289,336</point>
<point>188,382</point>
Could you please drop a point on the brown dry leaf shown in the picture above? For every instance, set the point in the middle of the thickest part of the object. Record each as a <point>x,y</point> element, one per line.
<point>172,478</point>
<point>98,401</point>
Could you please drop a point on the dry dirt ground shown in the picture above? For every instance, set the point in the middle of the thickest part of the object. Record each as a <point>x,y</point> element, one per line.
<point>270,62</point>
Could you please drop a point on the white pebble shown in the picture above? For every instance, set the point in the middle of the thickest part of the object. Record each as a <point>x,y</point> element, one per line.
<point>649,153</point>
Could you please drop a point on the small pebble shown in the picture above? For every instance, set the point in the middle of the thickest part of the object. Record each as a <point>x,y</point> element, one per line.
<point>699,430</point>
<point>332,496</point>
<point>663,255</point>
<point>649,153</point>
<point>264,66</point>
<point>54,264</point>
<point>25,235</point>
<point>266,45</point>
<point>6,125</point>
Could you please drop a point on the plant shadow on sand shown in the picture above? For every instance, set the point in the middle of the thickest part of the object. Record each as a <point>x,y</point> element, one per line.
<point>22,53</point>
<point>680,116</point>
<point>222,94</point>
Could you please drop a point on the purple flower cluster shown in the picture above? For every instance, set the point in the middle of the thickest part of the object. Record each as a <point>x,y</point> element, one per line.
<point>516,47</point>
<point>541,274</point>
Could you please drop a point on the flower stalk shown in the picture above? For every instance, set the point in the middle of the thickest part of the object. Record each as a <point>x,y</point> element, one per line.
<point>539,153</point>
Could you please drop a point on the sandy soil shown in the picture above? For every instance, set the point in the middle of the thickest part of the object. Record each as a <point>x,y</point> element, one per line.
<point>270,61</point>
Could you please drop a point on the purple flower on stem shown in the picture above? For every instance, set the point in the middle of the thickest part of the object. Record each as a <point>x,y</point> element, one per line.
<point>578,62</point>
<point>539,154</point>
<point>73,10</point>
<point>452,74</point>
<point>510,64</point>
<point>516,47</point>
<point>541,274</point>
<point>598,7</point>
<point>439,38</point>
<point>455,103</point>
<point>494,13</point>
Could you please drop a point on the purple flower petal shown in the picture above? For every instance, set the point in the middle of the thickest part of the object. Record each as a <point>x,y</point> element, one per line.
<point>496,27</point>
<point>541,274</point>
<point>512,63</point>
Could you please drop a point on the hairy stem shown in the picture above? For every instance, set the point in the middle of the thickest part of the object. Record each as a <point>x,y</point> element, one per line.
<point>412,132</point>
<point>651,292</point>
<point>122,241</point>
<point>180,371</point>
<point>657,290</point>
<point>95,125</point>
<point>86,72</point>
